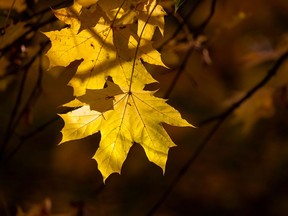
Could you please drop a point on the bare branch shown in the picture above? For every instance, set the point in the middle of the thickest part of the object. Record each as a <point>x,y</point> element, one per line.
<point>272,72</point>
<point>12,124</point>
<point>221,119</point>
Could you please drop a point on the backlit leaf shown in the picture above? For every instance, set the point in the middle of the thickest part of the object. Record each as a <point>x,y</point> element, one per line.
<point>113,46</point>
<point>136,116</point>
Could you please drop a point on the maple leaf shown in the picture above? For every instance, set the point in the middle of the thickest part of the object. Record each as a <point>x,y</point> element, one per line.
<point>135,116</point>
<point>107,48</point>
<point>111,44</point>
<point>148,14</point>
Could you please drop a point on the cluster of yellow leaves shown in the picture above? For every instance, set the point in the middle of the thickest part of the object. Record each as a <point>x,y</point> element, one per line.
<point>113,39</point>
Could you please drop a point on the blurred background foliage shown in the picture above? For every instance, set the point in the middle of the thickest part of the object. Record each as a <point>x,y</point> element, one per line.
<point>217,51</point>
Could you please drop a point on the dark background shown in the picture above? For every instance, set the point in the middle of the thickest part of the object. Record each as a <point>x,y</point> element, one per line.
<point>242,169</point>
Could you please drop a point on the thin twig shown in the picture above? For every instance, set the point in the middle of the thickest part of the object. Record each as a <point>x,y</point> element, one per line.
<point>199,30</point>
<point>24,138</point>
<point>181,25</point>
<point>33,28</point>
<point>263,82</point>
<point>184,169</point>
<point>11,126</point>
<point>7,19</point>
<point>35,92</point>
<point>183,64</point>
<point>179,73</point>
<point>13,114</point>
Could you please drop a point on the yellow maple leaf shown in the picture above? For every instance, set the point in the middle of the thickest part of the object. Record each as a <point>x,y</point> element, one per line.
<point>111,44</point>
<point>147,13</point>
<point>107,49</point>
<point>136,116</point>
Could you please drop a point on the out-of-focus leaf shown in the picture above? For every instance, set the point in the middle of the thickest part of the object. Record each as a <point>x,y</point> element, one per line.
<point>259,106</point>
<point>42,209</point>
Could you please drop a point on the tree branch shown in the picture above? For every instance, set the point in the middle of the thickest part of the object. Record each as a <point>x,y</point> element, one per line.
<point>12,124</point>
<point>262,83</point>
<point>24,138</point>
<point>221,119</point>
<point>181,24</point>
<point>200,30</point>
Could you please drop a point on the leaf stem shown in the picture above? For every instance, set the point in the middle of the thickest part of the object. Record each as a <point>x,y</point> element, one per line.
<point>138,45</point>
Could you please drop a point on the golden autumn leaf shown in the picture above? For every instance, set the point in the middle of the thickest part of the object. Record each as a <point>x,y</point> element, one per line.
<point>113,46</point>
<point>107,49</point>
<point>147,13</point>
<point>135,116</point>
